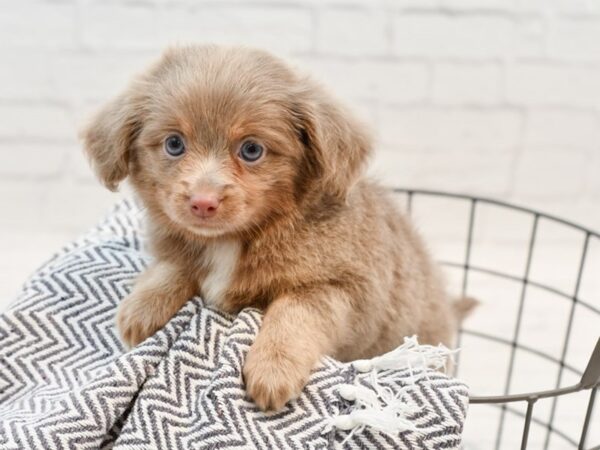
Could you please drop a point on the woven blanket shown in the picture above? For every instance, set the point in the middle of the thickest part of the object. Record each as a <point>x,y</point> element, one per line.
<point>66,381</point>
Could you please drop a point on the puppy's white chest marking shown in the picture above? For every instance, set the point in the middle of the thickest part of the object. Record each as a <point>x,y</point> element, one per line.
<point>220,260</point>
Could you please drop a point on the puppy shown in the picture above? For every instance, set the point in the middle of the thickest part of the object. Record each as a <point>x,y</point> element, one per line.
<point>252,179</point>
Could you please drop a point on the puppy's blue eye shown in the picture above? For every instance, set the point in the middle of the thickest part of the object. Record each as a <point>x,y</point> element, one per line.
<point>174,146</point>
<point>251,151</point>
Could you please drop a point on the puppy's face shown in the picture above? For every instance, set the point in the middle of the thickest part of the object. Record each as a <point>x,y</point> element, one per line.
<point>217,152</point>
<point>218,140</point>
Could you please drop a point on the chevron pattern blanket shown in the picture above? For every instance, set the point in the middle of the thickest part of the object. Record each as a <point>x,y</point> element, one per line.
<point>66,382</point>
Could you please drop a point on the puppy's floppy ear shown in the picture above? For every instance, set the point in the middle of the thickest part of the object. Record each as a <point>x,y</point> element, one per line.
<point>337,145</point>
<point>108,138</point>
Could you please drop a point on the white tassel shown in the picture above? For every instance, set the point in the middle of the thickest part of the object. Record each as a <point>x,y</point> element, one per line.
<point>376,407</point>
<point>379,407</point>
<point>359,394</point>
<point>386,420</point>
<point>409,355</point>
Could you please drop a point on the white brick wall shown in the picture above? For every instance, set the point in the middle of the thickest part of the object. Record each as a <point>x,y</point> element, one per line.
<point>461,36</point>
<point>491,97</point>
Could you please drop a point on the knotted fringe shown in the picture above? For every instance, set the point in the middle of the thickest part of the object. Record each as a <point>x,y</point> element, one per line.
<point>409,355</point>
<point>378,406</point>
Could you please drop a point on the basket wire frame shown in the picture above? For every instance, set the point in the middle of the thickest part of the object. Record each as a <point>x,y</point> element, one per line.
<point>590,377</point>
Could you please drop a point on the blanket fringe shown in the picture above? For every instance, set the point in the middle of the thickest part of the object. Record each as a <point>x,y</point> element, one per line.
<point>377,406</point>
<point>409,355</point>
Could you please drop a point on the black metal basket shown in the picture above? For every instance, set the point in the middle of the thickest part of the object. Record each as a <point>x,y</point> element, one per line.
<point>515,413</point>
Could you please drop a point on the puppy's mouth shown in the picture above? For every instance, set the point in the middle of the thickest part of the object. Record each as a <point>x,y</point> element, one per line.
<point>207,231</point>
<point>206,227</point>
<point>203,222</point>
<point>212,226</point>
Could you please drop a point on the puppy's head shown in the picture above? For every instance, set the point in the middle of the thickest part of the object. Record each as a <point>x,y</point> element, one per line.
<point>219,140</point>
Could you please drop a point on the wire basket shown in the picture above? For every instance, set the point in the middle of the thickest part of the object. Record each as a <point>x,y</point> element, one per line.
<point>528,363</point>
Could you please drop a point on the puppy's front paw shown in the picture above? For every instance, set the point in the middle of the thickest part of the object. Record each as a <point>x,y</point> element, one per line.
<point>273,378</point>
<point>137,319</point>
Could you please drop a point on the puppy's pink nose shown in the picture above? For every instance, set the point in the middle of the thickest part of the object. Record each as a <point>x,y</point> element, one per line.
<point>204,205</point>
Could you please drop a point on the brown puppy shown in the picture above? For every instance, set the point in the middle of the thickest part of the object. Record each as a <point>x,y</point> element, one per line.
<point>251,175</point>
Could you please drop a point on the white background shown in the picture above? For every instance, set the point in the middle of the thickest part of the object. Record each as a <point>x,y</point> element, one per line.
<point>498,98</point>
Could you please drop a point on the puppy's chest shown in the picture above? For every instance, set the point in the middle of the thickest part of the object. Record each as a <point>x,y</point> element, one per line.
<point>232,278</point>
<point>219,263</point>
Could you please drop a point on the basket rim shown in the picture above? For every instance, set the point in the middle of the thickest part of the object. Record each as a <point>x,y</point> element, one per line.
<point>501,203</point>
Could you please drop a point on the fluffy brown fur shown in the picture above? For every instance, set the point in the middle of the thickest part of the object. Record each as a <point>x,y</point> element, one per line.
<point>335,267</point>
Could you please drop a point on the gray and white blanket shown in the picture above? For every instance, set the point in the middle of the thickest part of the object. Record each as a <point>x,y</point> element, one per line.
<point>66,382</point>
